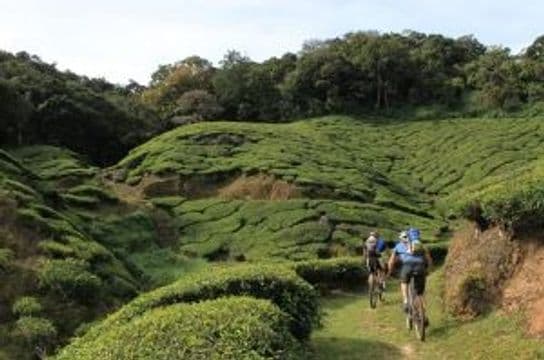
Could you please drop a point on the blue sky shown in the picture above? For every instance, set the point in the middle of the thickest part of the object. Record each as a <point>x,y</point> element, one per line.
<point>121,39</point>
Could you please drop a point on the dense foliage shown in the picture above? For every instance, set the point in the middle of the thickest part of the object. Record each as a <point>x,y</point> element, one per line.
<point>42,105</point>
<point>57,268</point>
<point>361,72</point>
<point>358,72</point>
<point>228,328</point>
<point>341,272</point>
<point>276,283</point>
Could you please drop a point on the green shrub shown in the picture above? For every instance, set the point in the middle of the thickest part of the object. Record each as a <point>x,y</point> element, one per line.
<point>93,192</point>
<point>6,256</point>
<point>81,201</point>
<point>35,331</point>
<point>277,283</point>
<point>70,277</point>
<point>132,232</point>
<point>333,273</point>
<point>228,328</point>
<point>438,252</point>
<point>27,306</point>
<point>56,249</point>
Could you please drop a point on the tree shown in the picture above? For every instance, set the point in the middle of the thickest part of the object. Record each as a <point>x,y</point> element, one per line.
<point>15,111</point>
<point>536,50</point>
<point>198,105</point>
<point>497,78</point>
<point>169,82</point>
<point>320,83</point>
<point>230,85</point>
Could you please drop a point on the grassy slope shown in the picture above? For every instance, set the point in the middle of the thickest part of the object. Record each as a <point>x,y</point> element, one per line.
<point>367,175</point>
<point>354,331</point>
<point>54,207</point>
<point>363,175</point>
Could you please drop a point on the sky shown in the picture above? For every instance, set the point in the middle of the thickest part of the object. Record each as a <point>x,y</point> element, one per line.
<point>127,39</point>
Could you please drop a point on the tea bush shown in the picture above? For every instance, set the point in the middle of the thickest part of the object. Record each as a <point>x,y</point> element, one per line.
<point>277,283</point>
<point>347,272</point>
<point>6,256</point>
<point>27,306</point>
<point>70,277</point>
<point>35,331</point>
<point>228,328</point>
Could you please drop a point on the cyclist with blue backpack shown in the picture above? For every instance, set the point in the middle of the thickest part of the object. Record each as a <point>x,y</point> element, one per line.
<point>414,259</point>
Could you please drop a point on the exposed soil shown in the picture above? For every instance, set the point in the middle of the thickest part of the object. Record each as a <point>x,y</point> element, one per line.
<point>259,187</point>
<point>525,290</point>
<point>226,185</point>
<point>492,267</point>
<point>477,266</point>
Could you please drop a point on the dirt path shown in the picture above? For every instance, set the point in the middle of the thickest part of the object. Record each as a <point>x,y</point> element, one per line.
<point>354,331</point>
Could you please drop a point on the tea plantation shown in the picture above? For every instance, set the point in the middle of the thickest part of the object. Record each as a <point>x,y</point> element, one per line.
<point>217,219</point>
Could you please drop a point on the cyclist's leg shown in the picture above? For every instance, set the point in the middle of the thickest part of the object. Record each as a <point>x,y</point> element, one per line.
<point>369,264</point>
<point>405,275</point>
<point>381,270</point>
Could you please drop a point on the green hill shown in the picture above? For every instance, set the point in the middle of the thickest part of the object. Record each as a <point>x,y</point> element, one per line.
<point>80,241</point>
<point>361,174</point>
<point>69,248</point>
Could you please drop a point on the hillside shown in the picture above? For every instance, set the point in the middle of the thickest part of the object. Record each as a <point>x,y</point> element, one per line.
<point>70,251</point>
<point>243,192</point>
<point>215,178</point>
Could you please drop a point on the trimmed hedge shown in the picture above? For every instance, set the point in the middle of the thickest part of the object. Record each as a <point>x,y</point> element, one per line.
<point>227,328</point>
<point>70,277</point>
<point>345,272</point>
<point>6,256</point>
<point>27,306</point>
<point>35,330</point>
<point>279,284</point>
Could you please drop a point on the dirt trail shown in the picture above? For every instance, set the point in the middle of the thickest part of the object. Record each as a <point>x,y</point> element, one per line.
<point>408,351</point>
<point>353,331</point>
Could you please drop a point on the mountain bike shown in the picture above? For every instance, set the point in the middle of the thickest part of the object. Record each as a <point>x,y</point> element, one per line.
<point>376,285</point>
<point>415,318</point>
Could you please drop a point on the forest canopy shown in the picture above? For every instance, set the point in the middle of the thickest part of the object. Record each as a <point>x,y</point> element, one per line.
<point>384,74</point>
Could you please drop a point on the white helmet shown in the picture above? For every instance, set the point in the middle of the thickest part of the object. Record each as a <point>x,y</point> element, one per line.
<point>403,236</point>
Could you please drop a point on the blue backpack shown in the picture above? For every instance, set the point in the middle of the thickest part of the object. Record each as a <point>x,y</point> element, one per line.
<point>380,245</point>
<point>413,234</point>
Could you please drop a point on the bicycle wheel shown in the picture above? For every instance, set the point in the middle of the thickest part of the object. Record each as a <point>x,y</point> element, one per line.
<point>409,315</point>
<point>419,319</point>
<point>418,315</point>
<point>372,290</point>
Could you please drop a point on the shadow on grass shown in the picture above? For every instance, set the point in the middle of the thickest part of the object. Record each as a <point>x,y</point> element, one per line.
<point>443,329</point>
<point>346,349</point>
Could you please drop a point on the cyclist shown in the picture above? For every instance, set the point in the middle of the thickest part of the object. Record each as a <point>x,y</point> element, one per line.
<point>414,259</point>
<point>374,246</point>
